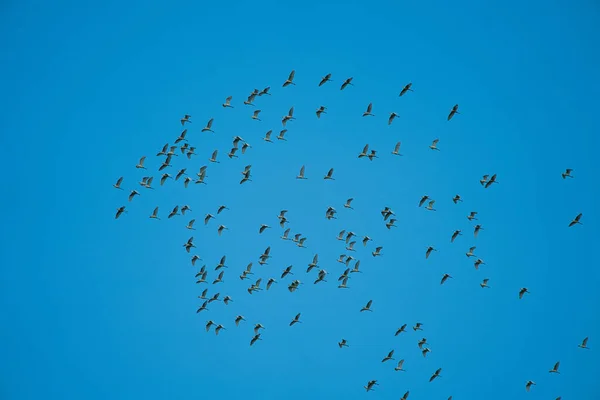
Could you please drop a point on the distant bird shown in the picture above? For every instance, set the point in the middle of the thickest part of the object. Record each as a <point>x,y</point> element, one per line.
<point>555,368</point>
<point>348,202</point>
<point>184,209</point>
<point>347,82</point>
<point>343,343</point>
<point>368,111</point>
<point>366,240</point>
<point>478,262</point>
<point>181,136</point>
<point>583,344</point>
<point>472,215</point>
<point>370,385</point>
<point>575,220</point>
<point>295,320</point>
<point>174,212</point>
<point>221,229</point>
<point>470,252</point>
<point>428,252</point>
<point>190,225</point>
<point>208,127</point>
<point>390,356</point>
<point>423,200</point>
<point>567,173</point>
<point>290,79</point>
<point>456,234</point>
<point>140,165</point>
<point>329,175</point>
<point>456,199</point>
<point>265,91</point>
<point>218,329</point>
<point>267,137</point>
<point>120,211</point>
<point>364,152</point>
<point>186,118</point>
<point>491,181</point>
<point>417,327</point>
<point>133,194</point>
<point>425,351</point>
<point>270,282</point>
<point>405,396</point>
<point>399,367</point>
<point>155,214</point>
<point>396,151</point>
<point>213,157</point>
<point>250,99</point>
<point>280,136</point>
<point>477,229</point>
<point>377,251</point>
<point>445,278</point>
<point>453,111</point>
<point>255,338</point>
<point>406,88</point>
<point>434,144</point>
<point>522,292</point>
<point>367,307</point>
<point>117,185</point>
<point>391,118</point>
<point>321,110</point>
<point>227,102</point>
<point>325,79</point>
<point>262,228</point>
<point>528,385</point>
<point>287,271</point>
<point>436,374</point>
<point>255,115</point>
<point>209,324</point>
<point>301,174</point>
<point>484,283</point>
<point>400,330</point>
<point>430,206</point>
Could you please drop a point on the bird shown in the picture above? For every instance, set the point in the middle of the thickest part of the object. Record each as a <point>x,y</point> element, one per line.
<point>265,91</point>
<point>208,127</point>
<point>186,118</point>
<point>117,185</point>
<point>288,117</point>
<point>173,212</point>
<point>154,214</point>
<point>301,174</point>
<point>290,79</point>
<point>377,251</point>
<point>476,230</point>
<point>133,194</point>
<point>140,165</point>
<point>267,137</point>
<point>364,151</point>
<point>120,211</point>
<point>405,396</point>
<point>575,220</point>
<point>406,88</point>
<point>280,136</point>
<point>213,157</point>
<point>227,102</point>
<point>471,216</point>
<point>347,82</point>
<point>434,144</point>
<point>255,115</point>
<point>348,203</point>
<point>423,200</point>
<point>555,368</point>
<point>255,338</point>
<point>329,175</point>
<point>445,278</point>
<point>325,79</point>
<point>343,343</point>
<point>262,228</point>
<point>221,229</point>
<point>370,385</point>
<point>368,111</point>
<point>453,111</point>
<point>583,344</point>
<point>396,151</point>
<point>367,307</point>
<point>391,118</point>
<point>490,181</point>
<point>528,385</point>
<point>390,356</point>
<point>430,206</point>
<point>270,282</point>
<point>417,327</point>
<point>428,252</point>
<point>399,367</point>
<point>567,173</point>
<point>456,199</point>
<point>456,234</point>
<point>295,320</point>
<point>522,292</point>
<point>181,136</point>
<point>484,283</point>
<point>321,110</point>
<point>470,252</point>
<point>218,329</point>
<point>436,374</point>
<point>190,225</point>
<point>400,330</point>
<point>425,351</point>
<point>250,99</point>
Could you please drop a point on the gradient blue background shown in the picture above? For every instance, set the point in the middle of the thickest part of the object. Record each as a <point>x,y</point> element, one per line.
<point>94,308</point>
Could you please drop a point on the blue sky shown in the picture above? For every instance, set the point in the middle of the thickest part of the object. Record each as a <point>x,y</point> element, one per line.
<point>97,308</point>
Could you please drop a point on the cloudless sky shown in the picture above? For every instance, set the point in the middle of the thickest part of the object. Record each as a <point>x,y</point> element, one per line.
<point>98,308</point>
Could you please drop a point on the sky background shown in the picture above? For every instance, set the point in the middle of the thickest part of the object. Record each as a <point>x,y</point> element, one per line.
<point>97,308</point>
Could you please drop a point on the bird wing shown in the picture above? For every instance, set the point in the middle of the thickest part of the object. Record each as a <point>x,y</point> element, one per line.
<point>292,74</point>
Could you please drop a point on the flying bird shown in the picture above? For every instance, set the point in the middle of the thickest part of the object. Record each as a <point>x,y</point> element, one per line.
<point>367,307</point>
<point>390,356</point>
<point>396,151</point>
<point>329,175</point>
<point>391,118</point>
<point>295,320</point>
<point>406,88</point>
<point>140,165</point>
<point>453,111</point>
<point>290,79</point>
<point>321,110</point>
<point>208,127</point>
<point>368,111</point>
<point>555,368</point>
<point>399,367</point>
<point>347,82</point>
<point>255,115</point>
<point>301,174</point>
<point>325,79</point>
<point>575,220</point>
<point>434,145</point>
<point>436,374</point>
<point>227,102</point>
<point>186,118</point>
<point>567,173</point>
<point>117,185</point>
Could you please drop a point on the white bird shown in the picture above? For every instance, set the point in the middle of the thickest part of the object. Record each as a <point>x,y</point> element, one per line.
<point>227,102</point>
<point>396,151</point>
<point>434,144</point>
<point>301,174</point>
<point>255,115</point>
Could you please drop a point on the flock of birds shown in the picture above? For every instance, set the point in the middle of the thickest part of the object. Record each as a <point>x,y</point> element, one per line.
<point>349,238</point>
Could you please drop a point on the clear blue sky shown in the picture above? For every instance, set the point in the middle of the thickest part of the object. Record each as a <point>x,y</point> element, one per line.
<point>98,308</point>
